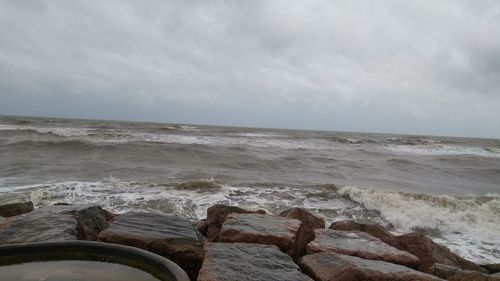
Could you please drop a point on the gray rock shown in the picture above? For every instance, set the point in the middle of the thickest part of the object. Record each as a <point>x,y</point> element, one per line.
<point>169,236</point>
<point>54,223</point>
<point>287,234</point>
<point>360,244</point>
<point>15,204</point>
<point>216,215</point>
<point>248,262</point>
<point>330,266</point>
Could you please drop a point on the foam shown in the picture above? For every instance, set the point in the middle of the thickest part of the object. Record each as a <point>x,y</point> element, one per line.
<point>470,226</point>
<point>58,131</point>
<point>439,149</point>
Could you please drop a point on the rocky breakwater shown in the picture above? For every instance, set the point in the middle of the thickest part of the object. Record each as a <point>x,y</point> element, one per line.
<point>237,244</point>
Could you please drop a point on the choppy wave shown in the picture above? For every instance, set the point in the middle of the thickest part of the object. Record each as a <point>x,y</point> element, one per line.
<point>440,149</point>
<point>469,225</point>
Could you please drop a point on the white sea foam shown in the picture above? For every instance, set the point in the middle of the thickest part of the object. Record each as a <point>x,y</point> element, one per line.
<point>439,149</point>
<point>469,226</point>
<point>58,131</point>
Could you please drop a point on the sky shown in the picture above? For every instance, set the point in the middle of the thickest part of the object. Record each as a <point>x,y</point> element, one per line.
<point>416,67</point>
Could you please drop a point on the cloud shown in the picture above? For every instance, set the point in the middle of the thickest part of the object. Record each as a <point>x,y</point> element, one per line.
<point>421,63</point>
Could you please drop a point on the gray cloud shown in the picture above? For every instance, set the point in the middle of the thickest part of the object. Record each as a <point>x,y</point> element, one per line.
<point>396,66</point>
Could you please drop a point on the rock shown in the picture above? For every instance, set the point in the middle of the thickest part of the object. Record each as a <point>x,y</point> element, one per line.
<point>216,216</point>
<point>172,237</point>
<point>309,221</point>
<point>360,244</point>
<point>492,268</point>
<point>15,204</point>
<point>430,252</point>
<point>443,271</point>
<point>416,244</point>
<point>330,266</point>
<point>457,274</point>
<point>373,229</point>
<point>54,223</point>
<point>282,232</point>
<point>248,262</point>
<point>201,226</point>
<point>305,217</point>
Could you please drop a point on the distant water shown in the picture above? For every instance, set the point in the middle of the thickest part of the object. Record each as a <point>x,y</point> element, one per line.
<point>447,187</point>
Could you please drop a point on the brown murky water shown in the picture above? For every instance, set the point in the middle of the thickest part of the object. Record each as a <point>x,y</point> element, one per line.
<point>72,271</point>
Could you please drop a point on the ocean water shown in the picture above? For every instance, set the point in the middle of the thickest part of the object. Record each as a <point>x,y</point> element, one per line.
<point>446,187</point>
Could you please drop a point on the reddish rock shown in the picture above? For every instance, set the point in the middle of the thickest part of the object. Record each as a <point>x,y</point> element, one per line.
<point>457,274</point>
<point>305,217</point>
<point>309,222</point>
<point>330,266</point>
<point>201,226</point>
<point>248,262</point>
<point>54,223</point>
<point>15,204</point>
<point>416,244</point>
<point>360,244</point>
<point>169,236</point>
<point>373,229</point>
<point>216,216</point>
<point>282,232</point>
<point>492,268</point>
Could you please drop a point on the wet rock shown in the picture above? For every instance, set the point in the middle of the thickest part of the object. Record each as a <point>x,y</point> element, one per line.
<point>172,237</point>
<point>416,244</point>
<point>282,232</point>
<point>216,216</point>
<point>15,204</point>
<point>330,266</point>
<point>360,244</point>
<point>201,226</point>
<point>54,223</point>
<point>305,217</point>
<point>457,274</point>
<point>492,268</point>
<point>373,229</point>
<point>248,262</point>
<point>309,222</point>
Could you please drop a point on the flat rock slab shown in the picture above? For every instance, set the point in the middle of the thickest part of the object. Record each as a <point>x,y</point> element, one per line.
<point>287,234</point>
<point>248,262</point>
<point>169,236</point>
<point>54,223</point>
<point>360,244</point>
<point>15,204</point>
<point>457,274</point>
<point>330,266</point>
<point>216,215</point>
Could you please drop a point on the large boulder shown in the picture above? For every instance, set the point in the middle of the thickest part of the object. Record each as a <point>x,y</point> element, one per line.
<point>216,216</point>
<point>330,266</point>
<point>492,268</point>
<point>15,204</point>
<point>287,234</point>
<point>360,244</point>
<point>248,262</point>
<point>169,236</point>
<point>373,229</point>
<point>416,244</point>
<point>54,223</point>
<point>457,274</point>
<point>309,221</point>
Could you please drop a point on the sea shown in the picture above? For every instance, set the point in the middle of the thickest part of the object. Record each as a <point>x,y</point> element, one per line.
<point>446,187</point>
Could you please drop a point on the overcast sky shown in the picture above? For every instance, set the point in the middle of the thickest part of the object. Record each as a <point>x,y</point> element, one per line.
<point>422,67</point>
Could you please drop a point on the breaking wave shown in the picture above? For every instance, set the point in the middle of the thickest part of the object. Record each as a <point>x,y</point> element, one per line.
<point>468,225</point>
<point>440,149</point>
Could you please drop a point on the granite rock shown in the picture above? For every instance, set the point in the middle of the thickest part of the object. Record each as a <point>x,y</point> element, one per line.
<point>248,262</point>
<point>287,234</point>
<point>360,244</point>
<point>172,237</point>
<point>330,266</point>
<point>216,216</point>
<point>15,204</point>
